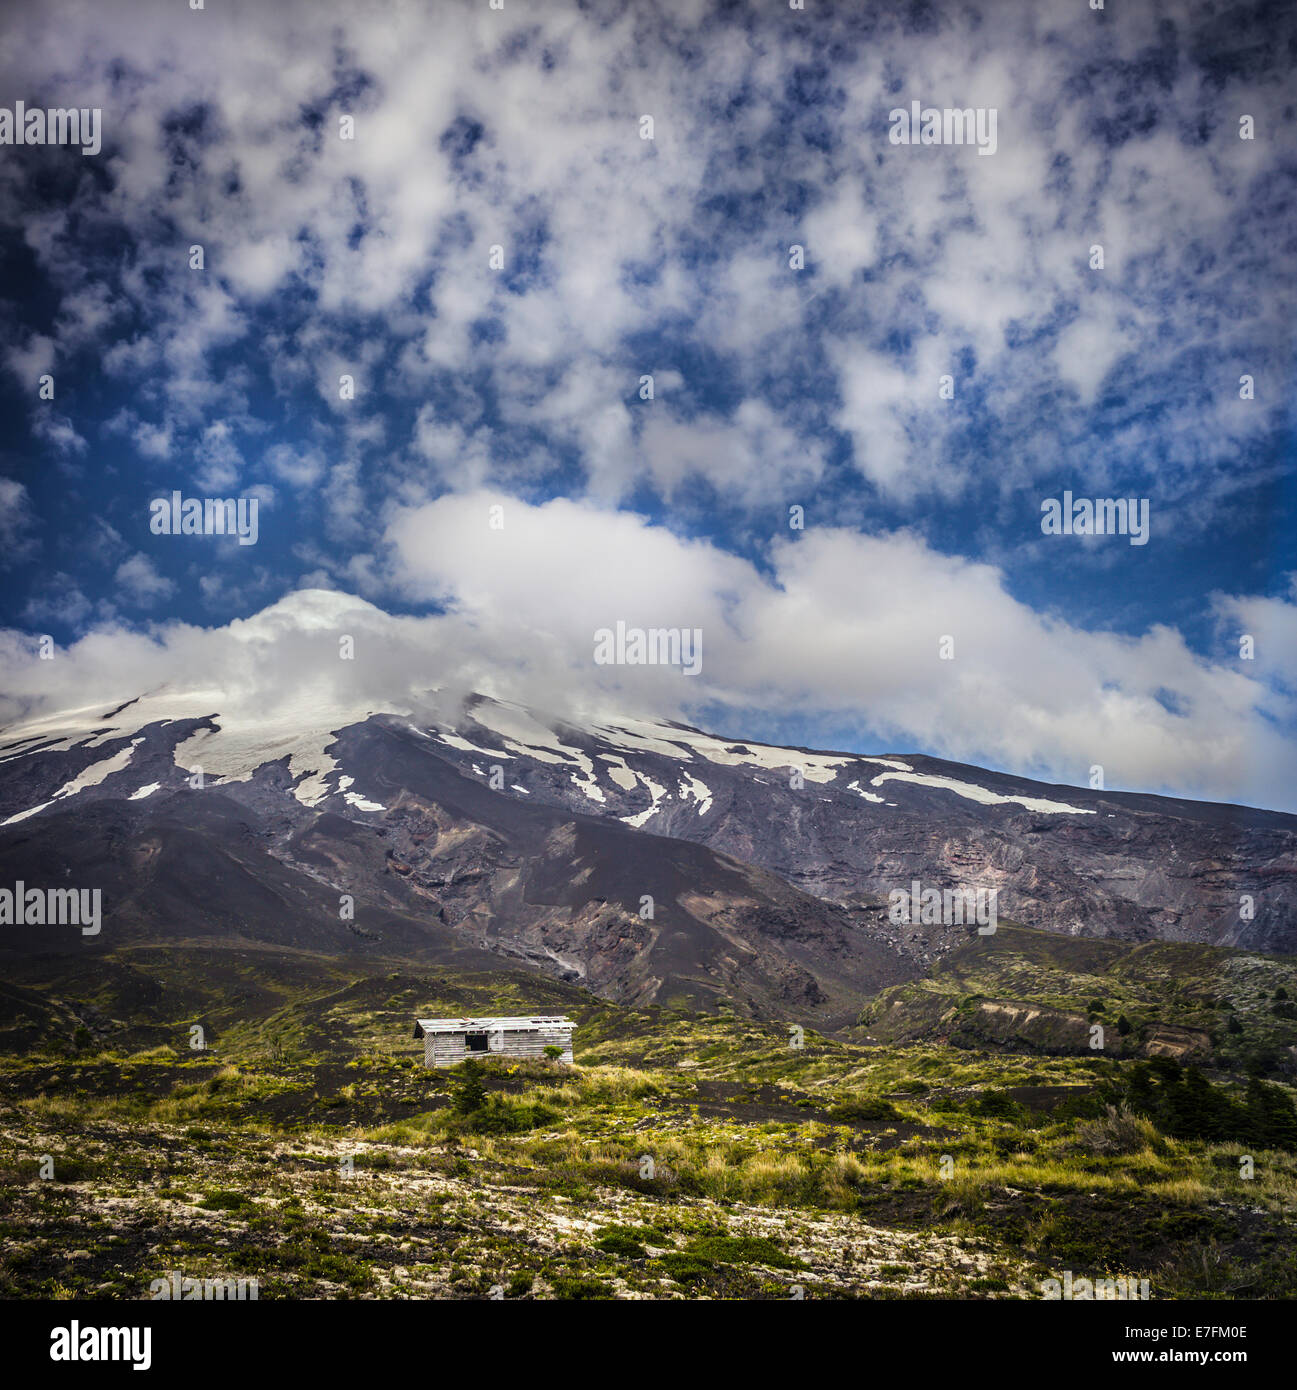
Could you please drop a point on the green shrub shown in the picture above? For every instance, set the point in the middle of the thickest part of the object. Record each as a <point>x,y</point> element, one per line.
<point>997,1105</point>
<point>468,1089</point>
<point>865,1110</point>
<point>734,1250</point>
<point>1185,1105</point>
<point>686,1269</point>
<point>620,1240</point>
<point>581,1289</point>
<point>226,1201</point>
<point>500,1114</point>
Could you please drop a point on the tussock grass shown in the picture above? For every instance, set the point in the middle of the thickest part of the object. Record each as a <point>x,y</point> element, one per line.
<point>664,1117</point>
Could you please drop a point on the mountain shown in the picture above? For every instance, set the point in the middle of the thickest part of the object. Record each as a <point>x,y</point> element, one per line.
<point>433,860</point>
<point>645,859</point>
<point>851,829</point>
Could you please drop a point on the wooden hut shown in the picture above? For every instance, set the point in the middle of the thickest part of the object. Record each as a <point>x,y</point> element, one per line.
<point>447,1041</point>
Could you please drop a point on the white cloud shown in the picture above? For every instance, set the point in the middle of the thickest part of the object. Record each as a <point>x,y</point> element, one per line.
<point>299,467</point>
<point>30,358</point>
<point>848,626</point>
<point>141,581</point>
<point>59,433</point>
<point>17,520</point>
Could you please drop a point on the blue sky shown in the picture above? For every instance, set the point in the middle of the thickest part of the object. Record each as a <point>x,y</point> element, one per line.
<point>773,387</point>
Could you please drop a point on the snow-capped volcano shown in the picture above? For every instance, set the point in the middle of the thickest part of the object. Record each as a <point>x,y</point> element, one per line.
<point>234,746</point>
<point>460,806</point>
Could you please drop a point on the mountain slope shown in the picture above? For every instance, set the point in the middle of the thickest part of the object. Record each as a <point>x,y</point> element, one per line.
<point>646,859</point>
<point>447,866</point>
<point>852,829</point>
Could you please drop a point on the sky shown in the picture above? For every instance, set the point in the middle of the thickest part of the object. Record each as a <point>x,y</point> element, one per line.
<point>871,364</point>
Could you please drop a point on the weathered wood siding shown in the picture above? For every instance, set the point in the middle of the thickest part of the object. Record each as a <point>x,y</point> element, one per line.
<point>444,1049</point>
<point>448,1049</point>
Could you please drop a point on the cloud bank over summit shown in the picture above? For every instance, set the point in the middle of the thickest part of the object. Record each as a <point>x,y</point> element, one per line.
<point>842,627</point>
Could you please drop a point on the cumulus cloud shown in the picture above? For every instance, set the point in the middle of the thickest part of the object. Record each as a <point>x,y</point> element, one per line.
<point>59,433</point>
<point>17,521</point>
<point>140,580</point>
<point>850,626</point>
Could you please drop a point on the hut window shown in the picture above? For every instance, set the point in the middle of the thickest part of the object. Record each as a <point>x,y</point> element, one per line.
<point>477,1042</point>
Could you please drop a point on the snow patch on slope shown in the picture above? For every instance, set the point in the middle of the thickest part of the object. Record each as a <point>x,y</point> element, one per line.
<point>981,794</point>
<point>98,772</point>
<point>90,776</point>
<point>619,772</point>
<point>587,781</point>
<point>355,799</point>
<point>657,793</point>
<point>301,732</point>
<point>464,746</point>
<point>521,731</point>
<point>690,786</point>
<point>668,740</point>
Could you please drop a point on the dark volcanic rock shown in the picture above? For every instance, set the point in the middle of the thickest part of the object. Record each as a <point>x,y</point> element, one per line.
<point>644,859</point>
